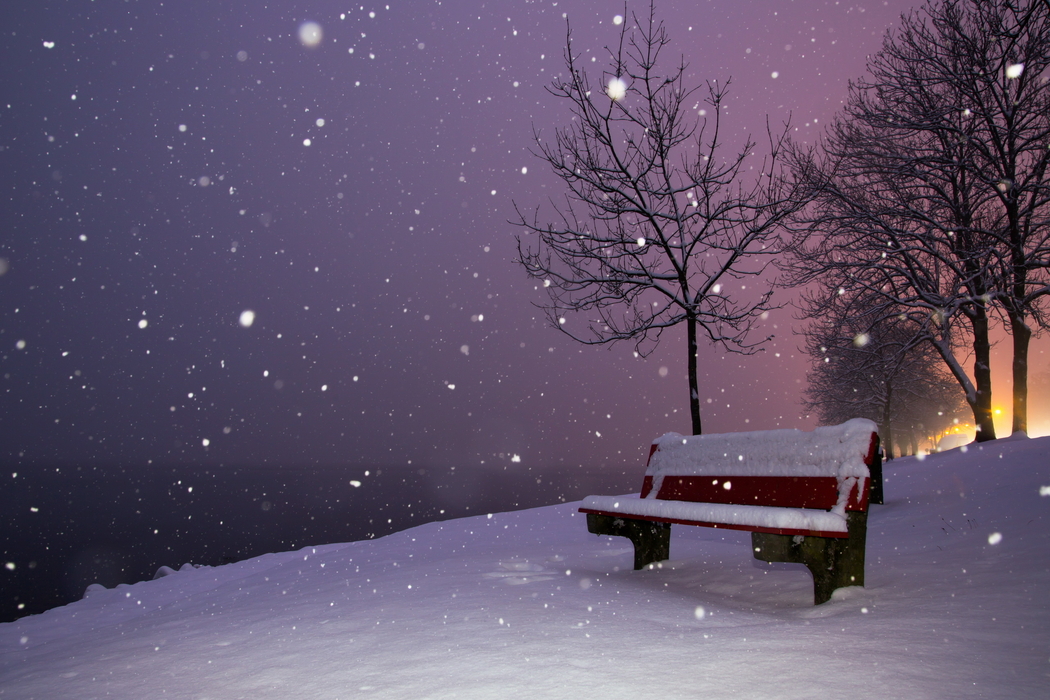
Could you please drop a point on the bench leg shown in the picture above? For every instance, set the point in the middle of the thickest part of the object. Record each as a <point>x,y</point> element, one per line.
<point>652,541</point>
<point>836,562</point>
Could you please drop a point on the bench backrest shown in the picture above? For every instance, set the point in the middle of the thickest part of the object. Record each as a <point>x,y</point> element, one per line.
<point>825,468</point>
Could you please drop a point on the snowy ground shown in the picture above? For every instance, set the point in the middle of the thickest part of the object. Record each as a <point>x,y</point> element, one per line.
<point>528,605</point>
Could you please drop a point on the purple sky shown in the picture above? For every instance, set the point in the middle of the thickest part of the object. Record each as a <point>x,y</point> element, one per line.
<point>166,167</point>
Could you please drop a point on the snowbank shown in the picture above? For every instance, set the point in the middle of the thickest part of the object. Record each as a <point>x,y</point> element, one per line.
<point>528,605</point>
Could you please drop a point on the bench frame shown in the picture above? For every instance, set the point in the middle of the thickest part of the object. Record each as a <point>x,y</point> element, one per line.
<point>836,560</point>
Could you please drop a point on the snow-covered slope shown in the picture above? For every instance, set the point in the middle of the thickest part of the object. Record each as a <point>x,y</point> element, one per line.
<point>528,605</point>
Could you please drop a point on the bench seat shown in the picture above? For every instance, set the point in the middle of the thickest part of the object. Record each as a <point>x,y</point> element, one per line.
<point>771,519</point>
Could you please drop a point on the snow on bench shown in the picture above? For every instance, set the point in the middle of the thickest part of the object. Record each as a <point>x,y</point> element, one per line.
<point>803,496</point>
<point>734,517</point>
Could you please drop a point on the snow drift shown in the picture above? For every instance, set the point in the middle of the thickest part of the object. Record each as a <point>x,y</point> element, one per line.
<point>528,605</point>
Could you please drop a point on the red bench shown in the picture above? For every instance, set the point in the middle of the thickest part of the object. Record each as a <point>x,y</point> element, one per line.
<point>803,496</point>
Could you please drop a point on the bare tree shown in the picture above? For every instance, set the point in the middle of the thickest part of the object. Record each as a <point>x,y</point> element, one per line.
<point>898,209</point>
<point>933,184</point>
<point>900,237</point>
<point>658,227</point>
<point>1001,50</point>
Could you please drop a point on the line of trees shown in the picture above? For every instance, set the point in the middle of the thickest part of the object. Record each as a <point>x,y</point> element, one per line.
<point>919,221</point>
<point>877,368</point>
<point>930,192</point>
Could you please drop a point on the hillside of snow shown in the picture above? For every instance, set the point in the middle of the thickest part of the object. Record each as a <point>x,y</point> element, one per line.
<point>529,605</point>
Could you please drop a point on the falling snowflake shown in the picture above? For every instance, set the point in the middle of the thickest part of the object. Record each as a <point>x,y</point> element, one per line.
<point>310,34</point>
<point>616,90</point>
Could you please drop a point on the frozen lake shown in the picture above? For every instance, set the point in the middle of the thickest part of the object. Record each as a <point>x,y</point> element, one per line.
<point>64,528</point>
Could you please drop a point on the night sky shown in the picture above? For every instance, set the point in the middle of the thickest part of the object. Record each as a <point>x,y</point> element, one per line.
<point>165,167</point>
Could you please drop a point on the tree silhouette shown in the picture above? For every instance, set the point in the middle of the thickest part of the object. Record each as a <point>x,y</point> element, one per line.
<point>658,227</point>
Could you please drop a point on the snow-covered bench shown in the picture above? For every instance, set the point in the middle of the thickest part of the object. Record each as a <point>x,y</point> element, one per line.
<point>803,496</point>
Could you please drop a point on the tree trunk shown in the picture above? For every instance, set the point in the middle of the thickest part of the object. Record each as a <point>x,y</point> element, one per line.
<point>1022,334</point>
<point>979,391</point>
<point>885,438</point>
<point>694,392</point>
<point>982,376</point>
<point>887,423</point>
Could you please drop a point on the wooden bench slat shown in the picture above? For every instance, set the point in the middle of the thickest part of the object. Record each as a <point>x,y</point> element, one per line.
<point>820,492</point>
